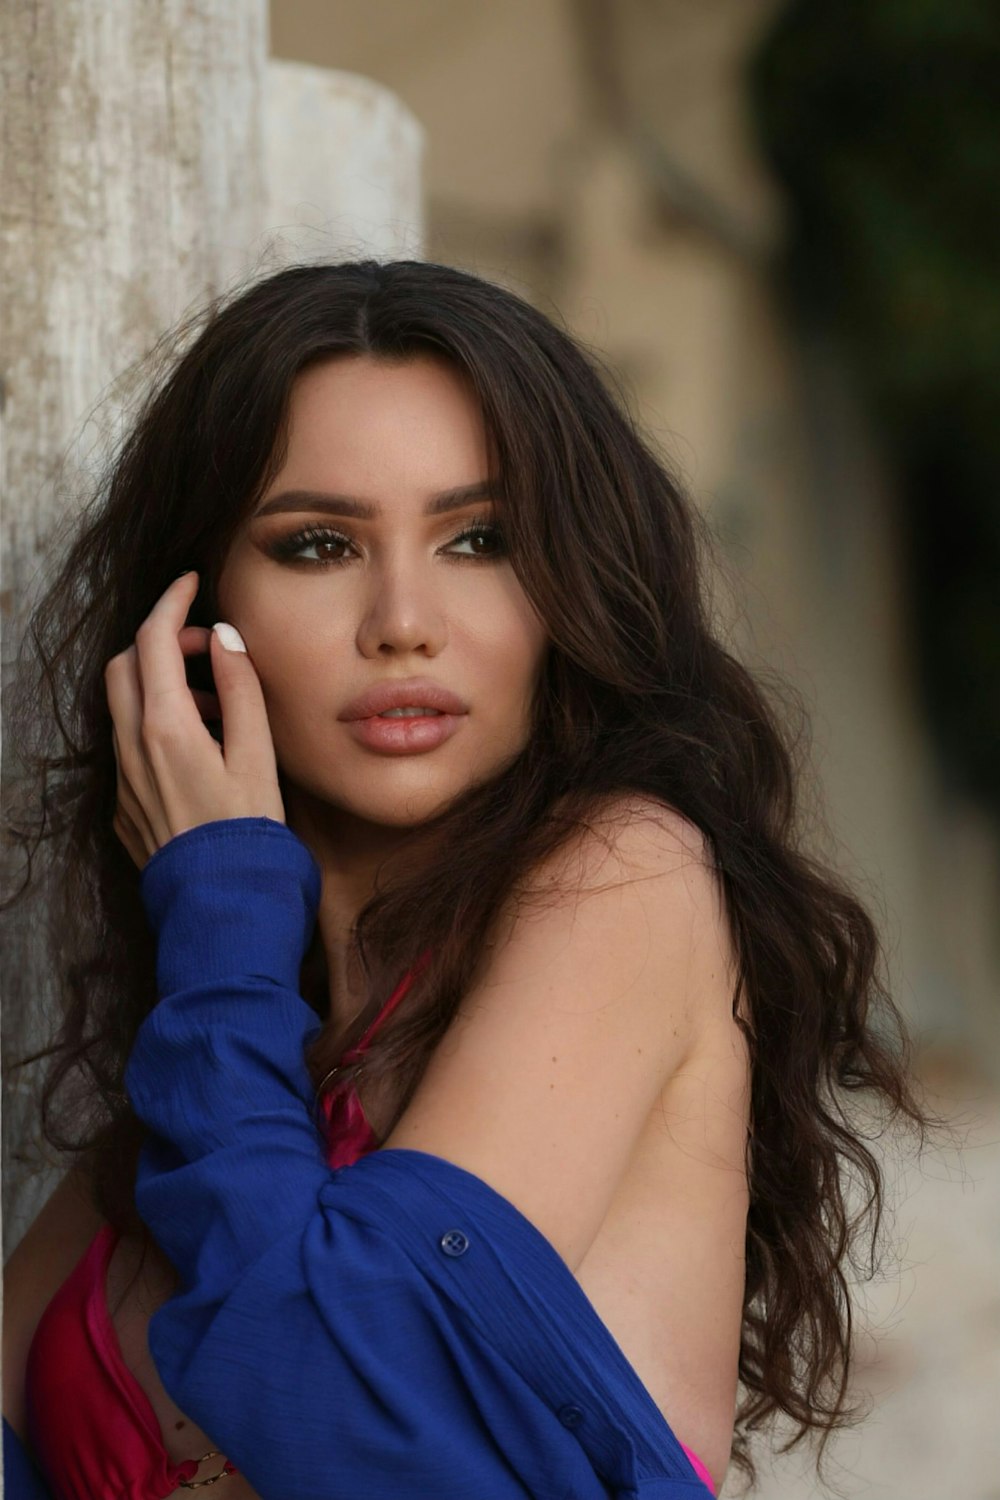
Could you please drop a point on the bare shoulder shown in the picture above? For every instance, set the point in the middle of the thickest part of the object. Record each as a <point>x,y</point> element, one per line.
<point>662,865</point>
<point>629,833</point>
<point>33,1273</point>
<point>606,963</point>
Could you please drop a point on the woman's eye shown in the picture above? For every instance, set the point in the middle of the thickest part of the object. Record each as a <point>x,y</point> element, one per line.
<point>323,539</point>
<point>311,536</point>
<point>480,529</point>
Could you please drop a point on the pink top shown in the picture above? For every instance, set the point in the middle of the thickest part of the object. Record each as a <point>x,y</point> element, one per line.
<point>348,1133</point>
<point>91,1426</point>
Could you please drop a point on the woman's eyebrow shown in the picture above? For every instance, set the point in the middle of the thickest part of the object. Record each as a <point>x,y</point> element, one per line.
<point>363,510</point>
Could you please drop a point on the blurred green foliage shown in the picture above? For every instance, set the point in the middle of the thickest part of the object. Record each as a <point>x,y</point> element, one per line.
<point>881,119</point>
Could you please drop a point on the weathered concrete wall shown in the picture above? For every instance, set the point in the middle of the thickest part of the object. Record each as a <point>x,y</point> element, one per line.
<point>130,190</point>
<point>344,162</point>
<point>151,157</point>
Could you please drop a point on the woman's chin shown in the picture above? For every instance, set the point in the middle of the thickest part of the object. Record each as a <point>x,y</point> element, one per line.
<point>397,809</point>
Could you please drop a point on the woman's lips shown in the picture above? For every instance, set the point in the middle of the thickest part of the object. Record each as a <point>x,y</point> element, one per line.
<point>404,736</point>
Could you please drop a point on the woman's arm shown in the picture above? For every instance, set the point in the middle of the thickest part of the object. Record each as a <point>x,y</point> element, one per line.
<point>310,1337</point>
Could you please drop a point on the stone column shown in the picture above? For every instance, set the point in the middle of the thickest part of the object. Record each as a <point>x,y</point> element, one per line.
<point>344,167</point>
<point>131,184</point>
<point>138,144</point>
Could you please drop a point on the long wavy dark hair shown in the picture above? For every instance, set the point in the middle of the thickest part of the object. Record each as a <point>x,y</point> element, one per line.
<point>638,695</point>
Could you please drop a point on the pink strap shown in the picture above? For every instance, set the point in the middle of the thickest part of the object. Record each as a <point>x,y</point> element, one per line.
<point>389,1006</point>
<point>698,1466</point>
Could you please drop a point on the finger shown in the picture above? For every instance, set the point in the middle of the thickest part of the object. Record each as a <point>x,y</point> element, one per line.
<point>162,642</point>
<point>165,690</point>
<point>194,639</point>
<point>123,684</point>
<point>124,694</point>
<point>128,809</point>
<point>129,836</point>
<point>249,747</point>
<point>125,703</point>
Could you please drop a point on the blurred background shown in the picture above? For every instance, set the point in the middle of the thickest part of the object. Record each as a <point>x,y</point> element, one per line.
<point>776,222</point>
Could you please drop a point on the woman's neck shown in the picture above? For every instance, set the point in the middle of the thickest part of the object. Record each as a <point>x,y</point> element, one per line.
<point>355,858</point>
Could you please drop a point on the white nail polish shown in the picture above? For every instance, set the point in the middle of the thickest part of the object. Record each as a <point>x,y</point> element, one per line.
<point>229,636</point>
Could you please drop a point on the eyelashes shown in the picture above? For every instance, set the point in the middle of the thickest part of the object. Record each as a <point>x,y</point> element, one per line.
<point>287,548</point>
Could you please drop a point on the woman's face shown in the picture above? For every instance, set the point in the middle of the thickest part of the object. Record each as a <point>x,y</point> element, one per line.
<point>395,594</point>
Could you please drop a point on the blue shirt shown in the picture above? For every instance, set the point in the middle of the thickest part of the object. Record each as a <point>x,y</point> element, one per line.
<point>392,1329</point>
<point>21,1479</point>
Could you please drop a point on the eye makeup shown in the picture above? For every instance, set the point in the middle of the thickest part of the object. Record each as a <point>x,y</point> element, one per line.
<point>287,548</point>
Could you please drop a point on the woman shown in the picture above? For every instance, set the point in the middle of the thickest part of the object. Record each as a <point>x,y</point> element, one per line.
<point>539,973</point>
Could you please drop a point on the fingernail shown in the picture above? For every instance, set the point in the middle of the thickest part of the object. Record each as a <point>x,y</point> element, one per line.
<point>229,636</point>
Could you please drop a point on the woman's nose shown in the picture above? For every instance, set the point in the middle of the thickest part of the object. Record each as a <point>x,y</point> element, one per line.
<point>405,613</point>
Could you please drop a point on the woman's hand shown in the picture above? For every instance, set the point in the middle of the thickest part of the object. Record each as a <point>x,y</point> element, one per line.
<point>172,775</point>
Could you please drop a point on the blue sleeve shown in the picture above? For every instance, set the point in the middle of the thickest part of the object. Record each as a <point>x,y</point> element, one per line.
<point>304,1339</point>
<point>394,1329</point>
<point>21,1480</point>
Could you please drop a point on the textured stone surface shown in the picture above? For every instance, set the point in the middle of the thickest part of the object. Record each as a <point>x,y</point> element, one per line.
<point>131,183</point>
<point>344,159</point>
<point>134,187</point>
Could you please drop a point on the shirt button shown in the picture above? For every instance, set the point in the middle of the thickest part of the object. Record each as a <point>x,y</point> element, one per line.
<point>454,1242</point>
<point>570,1416</point>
